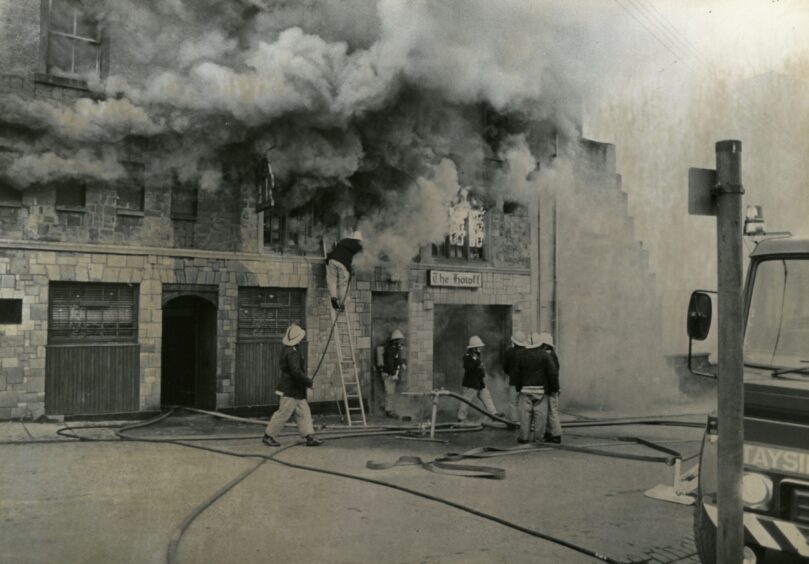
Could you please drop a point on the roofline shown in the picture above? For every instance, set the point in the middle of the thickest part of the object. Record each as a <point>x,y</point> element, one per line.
<point>781,247</point>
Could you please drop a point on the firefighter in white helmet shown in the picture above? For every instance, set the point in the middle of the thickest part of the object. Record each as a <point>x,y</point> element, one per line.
<point>553,432</point>
<point>338,268</point>
<point>510,368</point>
<point>473,383</point>
<point>393,366</point>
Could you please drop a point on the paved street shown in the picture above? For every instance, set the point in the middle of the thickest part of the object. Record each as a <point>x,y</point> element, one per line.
<point>123,501</point>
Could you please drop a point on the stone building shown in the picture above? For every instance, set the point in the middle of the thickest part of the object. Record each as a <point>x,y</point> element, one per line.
<point>145,289</point>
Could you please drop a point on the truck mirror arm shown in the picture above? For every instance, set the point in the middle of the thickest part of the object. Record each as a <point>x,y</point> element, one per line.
<point>692,370</point>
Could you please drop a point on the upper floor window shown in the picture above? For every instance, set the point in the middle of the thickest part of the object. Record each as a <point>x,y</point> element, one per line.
<point>72,39</point>
<point>467,230</point>
<point>70,194</point>
<point>289,230</point>
<point>184,199</point>
<point>9,196</point>
<point>131,188</point>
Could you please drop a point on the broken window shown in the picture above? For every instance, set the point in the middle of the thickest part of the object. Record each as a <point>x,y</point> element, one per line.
<point>290,231</point>
<point>131,189</point>
<point>467,230</point>
<point>73,39</point>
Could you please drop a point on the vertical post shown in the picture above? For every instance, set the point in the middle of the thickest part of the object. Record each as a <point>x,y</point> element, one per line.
<point>730,464</point>
<point>435,414</point>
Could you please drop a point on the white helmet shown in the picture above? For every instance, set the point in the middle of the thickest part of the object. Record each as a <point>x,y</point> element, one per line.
<point>474,342</point>
<point>518,338</point>
<point>533,341</point>
<point>357,235</point>
<point>294,335</point>
<point>396,335</point>
<point>546,339</point>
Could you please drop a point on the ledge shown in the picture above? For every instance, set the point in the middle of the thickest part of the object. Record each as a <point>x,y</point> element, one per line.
<point>13,205</point>
<point>129,213</point>
<point>61,81</point>
<point>71,209</point>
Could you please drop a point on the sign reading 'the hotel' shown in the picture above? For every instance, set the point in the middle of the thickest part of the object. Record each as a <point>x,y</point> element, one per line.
<point>455,279</point>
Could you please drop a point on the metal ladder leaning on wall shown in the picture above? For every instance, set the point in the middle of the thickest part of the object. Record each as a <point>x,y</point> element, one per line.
<point>347,365</point>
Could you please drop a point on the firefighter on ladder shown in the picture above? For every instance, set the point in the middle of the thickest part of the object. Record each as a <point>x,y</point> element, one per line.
<point>393,366</point>
<point>338,268</point>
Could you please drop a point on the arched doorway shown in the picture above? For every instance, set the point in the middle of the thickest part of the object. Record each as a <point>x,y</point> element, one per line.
<point>188,367</point>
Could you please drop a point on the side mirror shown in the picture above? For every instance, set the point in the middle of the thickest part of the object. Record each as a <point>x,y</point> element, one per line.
<point>700,313</point>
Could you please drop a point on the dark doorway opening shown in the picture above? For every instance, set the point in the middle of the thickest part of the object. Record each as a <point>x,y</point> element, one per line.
<point>188,373</point>
<point>388,313</point>
<point>452,327</point>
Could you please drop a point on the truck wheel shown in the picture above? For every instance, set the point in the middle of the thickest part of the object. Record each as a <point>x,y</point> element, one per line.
<point>704,534</point>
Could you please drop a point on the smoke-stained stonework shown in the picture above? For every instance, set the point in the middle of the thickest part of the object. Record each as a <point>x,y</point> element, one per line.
<point>146,172</point>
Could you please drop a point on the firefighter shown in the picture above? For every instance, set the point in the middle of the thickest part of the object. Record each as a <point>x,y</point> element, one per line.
<point>473,382</point>
<point>292,389</point>
<point>535,372</point>
<point>553,434</point>
<point>510,368</point>
<point>338,268</point>
<point>392,368</point>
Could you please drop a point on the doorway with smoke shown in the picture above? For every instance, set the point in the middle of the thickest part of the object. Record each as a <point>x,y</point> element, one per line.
<point>453,325</point>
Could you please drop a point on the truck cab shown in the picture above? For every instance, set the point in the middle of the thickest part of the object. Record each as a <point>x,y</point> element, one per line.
<point>775,487</point>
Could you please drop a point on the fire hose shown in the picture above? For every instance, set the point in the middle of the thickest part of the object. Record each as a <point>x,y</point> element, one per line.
<point>124,433</point>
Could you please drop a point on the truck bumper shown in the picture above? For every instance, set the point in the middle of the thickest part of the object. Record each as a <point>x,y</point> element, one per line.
<point>770,532</point>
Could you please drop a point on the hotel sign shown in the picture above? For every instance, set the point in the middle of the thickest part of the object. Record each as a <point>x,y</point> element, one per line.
<point>455,279</point>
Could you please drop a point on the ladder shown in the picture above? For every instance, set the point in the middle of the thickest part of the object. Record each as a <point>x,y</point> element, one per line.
<point>347,365</point>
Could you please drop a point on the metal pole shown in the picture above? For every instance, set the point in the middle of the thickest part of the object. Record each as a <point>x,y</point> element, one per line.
<point>436,395</point>
<point>730,464</point>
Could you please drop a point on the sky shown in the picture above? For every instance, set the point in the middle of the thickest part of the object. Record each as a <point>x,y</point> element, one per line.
<point>694,73</point>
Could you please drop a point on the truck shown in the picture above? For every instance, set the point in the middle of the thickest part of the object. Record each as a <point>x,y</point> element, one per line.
<point>775,483</point>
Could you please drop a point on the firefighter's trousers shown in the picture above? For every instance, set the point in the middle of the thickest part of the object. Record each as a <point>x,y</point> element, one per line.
<point>470,394</point>
<point>554,422</point>
<point>390,391</point>
<point>337,277</point>
<point>533,416</point>
<point>289,407</point>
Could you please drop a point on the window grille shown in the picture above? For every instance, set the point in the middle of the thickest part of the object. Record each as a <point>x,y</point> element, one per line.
<point>265,313</point>
<point>81,312</point>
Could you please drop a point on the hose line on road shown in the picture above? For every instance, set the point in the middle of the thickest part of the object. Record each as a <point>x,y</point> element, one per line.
<point>122,434</point>
<point>178,534</point>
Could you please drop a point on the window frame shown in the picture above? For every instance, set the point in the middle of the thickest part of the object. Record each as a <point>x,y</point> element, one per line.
<point>440,252</point>
<point>135,180</point>
<point>10,202</point>
<point>68,79</point>
<point>178,187</point>
<point>70,207</point>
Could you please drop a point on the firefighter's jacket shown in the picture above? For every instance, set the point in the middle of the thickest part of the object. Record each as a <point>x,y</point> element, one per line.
<point>473,371</point>
<point>510,363</point>
<point>344,251</point>
<point>293,381</point>
<point>394,358</point>
<point>535,367</point>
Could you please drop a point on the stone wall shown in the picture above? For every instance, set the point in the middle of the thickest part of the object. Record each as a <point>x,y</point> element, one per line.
<point>27,273</point>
